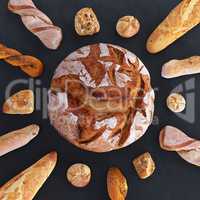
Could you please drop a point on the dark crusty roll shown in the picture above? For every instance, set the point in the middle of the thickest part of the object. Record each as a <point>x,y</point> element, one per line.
<point>37,22</point>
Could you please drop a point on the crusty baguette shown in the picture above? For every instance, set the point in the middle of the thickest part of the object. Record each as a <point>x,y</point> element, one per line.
<point>179,21</point>
<point>16,139</point>
<point>176,68</point>
<point>21,102</point>
<point>25,185</point>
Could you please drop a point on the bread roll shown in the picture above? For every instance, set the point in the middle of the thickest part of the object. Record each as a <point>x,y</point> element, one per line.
<point>180,20</point>
<point>144,165</point>
<point>17,139</point>
<point>86,22</point>
<point>117,185</point>
<point>21,103</point>
<point>37,22</point>
<point>25,185</point>
<point>176,68</point>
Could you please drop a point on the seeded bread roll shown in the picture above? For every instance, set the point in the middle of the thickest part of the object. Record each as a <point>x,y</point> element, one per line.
<point>173,139</point>
<point>180,20</point>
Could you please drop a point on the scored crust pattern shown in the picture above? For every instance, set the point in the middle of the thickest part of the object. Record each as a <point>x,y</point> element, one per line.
<point>101,98</point>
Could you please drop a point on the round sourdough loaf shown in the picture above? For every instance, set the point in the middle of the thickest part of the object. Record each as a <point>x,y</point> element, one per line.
<point>101,98</point>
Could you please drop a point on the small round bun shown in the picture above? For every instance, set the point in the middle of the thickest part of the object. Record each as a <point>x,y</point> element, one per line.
<point>79,175</point>
<point>176,102</point>
<point>128,26</point>
<point>101,98</point>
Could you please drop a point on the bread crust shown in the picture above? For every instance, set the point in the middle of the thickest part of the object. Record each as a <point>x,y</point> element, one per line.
<point>25,185</point>
<point>180,20</point>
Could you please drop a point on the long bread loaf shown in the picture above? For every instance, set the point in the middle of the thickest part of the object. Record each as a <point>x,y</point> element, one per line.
<point>25,185</point>
<point>180,20</point>
<point>16,139</point>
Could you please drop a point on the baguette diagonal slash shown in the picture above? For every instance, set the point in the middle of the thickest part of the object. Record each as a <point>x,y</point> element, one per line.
<point>16,139</point>
<point>25,185</point>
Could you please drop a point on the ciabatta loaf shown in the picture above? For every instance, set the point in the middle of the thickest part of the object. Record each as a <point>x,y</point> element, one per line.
<point>180,20</point>
<point>25,185</point>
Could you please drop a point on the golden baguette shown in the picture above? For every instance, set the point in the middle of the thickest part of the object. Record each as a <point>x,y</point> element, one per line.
<point>16,139</point>
<point>175,68</point>
<point>25,185</point>
<point>180,20</point>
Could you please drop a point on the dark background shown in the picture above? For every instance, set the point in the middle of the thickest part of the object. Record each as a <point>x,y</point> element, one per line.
<point>174,179</point>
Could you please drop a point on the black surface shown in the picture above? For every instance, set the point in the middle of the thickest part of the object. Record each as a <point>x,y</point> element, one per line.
<point>174,178</point>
